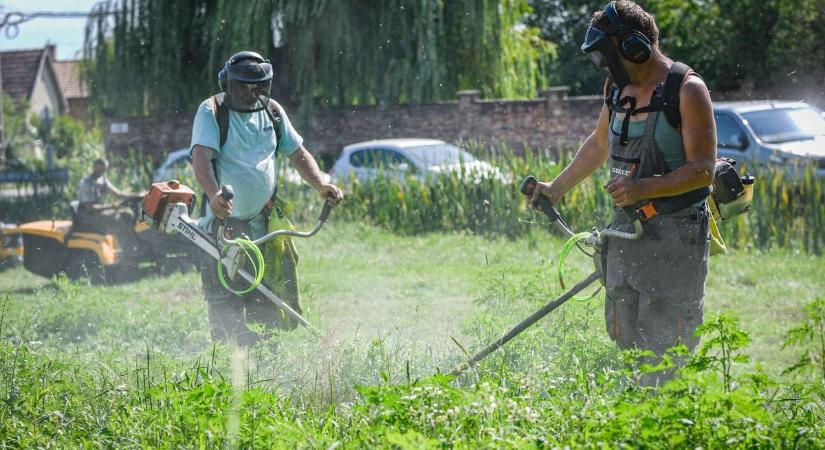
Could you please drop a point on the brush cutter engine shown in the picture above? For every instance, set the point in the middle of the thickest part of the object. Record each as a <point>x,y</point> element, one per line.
<point>167,207</point>
<point>162,195</point>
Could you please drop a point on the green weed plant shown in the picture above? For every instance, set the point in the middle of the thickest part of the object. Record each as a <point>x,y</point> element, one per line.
<point>787,212</point>
<point>105,399</point>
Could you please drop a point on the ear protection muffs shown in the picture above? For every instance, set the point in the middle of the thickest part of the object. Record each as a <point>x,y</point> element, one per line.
<point>633,45</point>
<point>234,59</point>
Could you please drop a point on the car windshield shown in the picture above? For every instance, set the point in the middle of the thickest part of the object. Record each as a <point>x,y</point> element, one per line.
<point>775,126</point>
<point>439,155</point>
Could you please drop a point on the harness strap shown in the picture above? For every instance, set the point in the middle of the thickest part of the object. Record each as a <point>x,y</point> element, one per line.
<point>665,98</point>
<point>630,111</point>
<point>669,205</point>
<point>673,84</point>
<point>222,117</point>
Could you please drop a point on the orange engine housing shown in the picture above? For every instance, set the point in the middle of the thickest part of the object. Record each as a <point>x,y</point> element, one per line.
<point>162,195</point>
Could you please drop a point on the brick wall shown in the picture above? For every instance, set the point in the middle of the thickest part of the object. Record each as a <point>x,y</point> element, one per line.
<point>552,120</point>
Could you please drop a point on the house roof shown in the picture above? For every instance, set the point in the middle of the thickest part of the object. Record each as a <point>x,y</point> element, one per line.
<point>19,71</point>
<point>68,75</point>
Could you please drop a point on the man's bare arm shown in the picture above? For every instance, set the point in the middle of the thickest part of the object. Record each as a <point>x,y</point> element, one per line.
<point>118,194</point>
<point>307,167</point>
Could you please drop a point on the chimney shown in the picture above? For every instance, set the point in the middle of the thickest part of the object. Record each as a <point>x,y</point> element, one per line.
<point>52,49</point>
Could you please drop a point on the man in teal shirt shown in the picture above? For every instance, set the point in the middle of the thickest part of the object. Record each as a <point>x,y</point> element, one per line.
<point>247,161</point>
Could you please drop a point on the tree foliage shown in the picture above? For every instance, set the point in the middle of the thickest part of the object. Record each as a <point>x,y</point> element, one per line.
<point>160,56</point>
<point>564,22</point>
<point>763,43</point>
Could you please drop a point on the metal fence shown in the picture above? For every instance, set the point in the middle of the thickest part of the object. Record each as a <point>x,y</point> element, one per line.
<point>30,195</point>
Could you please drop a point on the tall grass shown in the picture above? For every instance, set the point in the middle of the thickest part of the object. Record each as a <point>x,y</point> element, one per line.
<point>787,212</point>
<point>64,384</point>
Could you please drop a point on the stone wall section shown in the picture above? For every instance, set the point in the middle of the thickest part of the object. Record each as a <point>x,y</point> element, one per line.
<point>552,121</point>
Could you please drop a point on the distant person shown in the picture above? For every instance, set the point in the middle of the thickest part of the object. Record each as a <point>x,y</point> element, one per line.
<point>95,215</point>
<point>237,137</point>
<point>655,285</point>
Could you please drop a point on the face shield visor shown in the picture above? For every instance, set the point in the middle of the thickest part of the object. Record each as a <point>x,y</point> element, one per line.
<point>605,56</point>
<point>247,85</point>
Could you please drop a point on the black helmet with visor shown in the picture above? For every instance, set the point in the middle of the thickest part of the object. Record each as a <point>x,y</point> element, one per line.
<point>246,78</point>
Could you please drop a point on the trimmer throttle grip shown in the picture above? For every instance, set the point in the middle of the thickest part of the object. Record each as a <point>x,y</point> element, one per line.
<point>328,205</point>
<point>227,193</point>
<point>543,204</point>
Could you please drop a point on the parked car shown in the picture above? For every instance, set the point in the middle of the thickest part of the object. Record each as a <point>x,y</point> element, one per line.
<point>178,165</point>
<point>399,158</point>
<point>771,132</point>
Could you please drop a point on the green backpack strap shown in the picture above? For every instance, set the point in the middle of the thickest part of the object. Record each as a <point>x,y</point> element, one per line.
<point>273,110</point>
<point>221,116</point>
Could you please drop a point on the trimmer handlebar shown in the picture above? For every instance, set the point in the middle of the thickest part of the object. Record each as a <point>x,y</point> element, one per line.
<point>543,204</point>
<point>325,212</point>
<point>328,205</point>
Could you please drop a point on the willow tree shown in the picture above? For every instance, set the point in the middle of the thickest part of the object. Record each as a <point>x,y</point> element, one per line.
<point>152,55</point>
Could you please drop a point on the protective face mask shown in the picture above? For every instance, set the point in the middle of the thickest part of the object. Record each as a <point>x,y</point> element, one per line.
<point>605,56</point>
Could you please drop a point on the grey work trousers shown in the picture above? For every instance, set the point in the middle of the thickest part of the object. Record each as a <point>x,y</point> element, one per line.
<point>656,285</point>
<point>229,313</point>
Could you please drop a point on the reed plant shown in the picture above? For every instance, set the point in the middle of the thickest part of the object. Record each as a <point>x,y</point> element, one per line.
<point>787,210</point>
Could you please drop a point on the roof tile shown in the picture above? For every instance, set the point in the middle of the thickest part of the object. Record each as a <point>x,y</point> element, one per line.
<point>68,75</point>
<point>19,71</point>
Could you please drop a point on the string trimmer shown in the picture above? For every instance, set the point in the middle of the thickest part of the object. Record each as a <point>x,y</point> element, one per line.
<point>167,207</point>
<point>593,239</point>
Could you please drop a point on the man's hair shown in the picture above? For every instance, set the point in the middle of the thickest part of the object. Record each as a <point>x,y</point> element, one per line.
<point>101,162</point>
<point>634,17</point>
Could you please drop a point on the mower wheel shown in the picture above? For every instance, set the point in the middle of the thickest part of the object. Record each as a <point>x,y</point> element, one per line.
<point>85,264</point>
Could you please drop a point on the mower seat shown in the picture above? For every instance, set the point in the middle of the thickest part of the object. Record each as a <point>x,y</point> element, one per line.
<point>78,225</point>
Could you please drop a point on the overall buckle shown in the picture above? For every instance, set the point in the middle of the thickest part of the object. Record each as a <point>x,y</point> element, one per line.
<point>646,212</point>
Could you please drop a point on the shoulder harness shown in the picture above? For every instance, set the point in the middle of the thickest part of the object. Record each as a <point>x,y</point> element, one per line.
<point>222,116</point>
<point>665,98</point>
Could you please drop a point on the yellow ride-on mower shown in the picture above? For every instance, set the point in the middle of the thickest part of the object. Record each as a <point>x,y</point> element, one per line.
<point>52,247</point>
<point>11,246</point>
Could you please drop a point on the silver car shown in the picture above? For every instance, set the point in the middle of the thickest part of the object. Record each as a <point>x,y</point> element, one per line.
<point>424,159</point>
<point>791,134</point>
<point>178,165</point>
